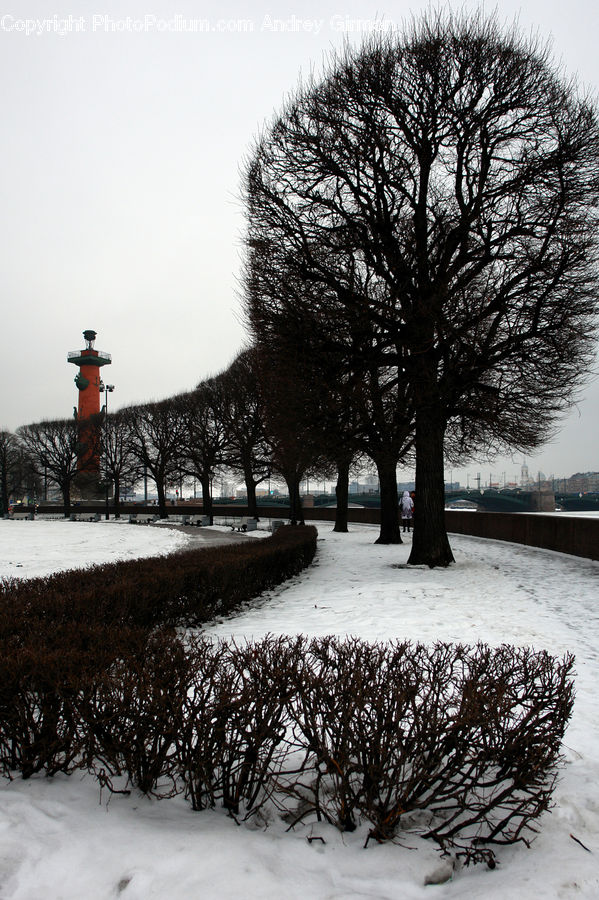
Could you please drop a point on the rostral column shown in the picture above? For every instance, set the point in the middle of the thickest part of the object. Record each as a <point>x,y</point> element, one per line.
<point>88,381</point>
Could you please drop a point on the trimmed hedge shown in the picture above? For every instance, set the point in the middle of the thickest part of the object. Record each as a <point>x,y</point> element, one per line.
<point>184,589</point>
<point>457,744</point>
<point>64,637</point>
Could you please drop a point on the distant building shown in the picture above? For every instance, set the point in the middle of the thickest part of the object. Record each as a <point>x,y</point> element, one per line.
<point>407,486</point>
<point>582,483</point>
<point>370,485</point>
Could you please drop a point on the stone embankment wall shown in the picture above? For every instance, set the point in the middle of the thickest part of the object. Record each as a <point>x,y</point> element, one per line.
<point>576,535</point>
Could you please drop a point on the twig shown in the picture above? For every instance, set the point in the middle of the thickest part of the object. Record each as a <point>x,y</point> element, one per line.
<point>581,844</point>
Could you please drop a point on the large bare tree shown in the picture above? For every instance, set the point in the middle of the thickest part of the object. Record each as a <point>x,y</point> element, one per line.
<point>9,467</point>
<point>447,182</point>
<point>204,439</point>
<point>55,449</point>
<point>119,464</point>
<point>246,447</point>
<point>157,434</point>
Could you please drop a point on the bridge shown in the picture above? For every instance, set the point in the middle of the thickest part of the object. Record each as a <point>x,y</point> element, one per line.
<point>524,501</point>
<point>492,500</point>
<point>578,502</point>
<point>489,500</point>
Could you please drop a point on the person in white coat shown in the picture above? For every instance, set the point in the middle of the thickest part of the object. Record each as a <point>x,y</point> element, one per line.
<point>407,507</point>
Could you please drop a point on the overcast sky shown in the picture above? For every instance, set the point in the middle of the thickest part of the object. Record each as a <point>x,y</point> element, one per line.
<point>125,125</point>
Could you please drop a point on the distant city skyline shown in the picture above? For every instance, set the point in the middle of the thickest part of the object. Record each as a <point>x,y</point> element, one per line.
<point>124,132</point>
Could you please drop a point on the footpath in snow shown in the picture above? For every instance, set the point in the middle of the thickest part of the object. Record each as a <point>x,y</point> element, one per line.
<point>59,839</point>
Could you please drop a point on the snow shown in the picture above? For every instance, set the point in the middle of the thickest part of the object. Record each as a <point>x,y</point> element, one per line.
<point>29,549</point>
<point>60,839</point>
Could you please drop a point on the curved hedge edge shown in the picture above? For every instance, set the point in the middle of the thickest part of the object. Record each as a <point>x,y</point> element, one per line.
<point>455,743</point>
<point>187,587</point>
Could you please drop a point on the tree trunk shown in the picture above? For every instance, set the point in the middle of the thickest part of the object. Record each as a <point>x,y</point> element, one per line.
<point>4,494</point>
<point>250,487</point>
<point>296,513</point>
<point>66,496</point>
<point>430,544</point>
<point>342,495</point>
<point>161,498</point>
<point>117,497</point>
<point>390,532</point>
<point>207,497</point>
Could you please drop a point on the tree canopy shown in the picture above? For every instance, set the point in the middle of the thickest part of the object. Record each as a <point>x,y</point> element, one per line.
<point>441,185</point>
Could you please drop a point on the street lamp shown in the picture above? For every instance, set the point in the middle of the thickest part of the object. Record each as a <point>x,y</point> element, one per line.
<point>106,389</point>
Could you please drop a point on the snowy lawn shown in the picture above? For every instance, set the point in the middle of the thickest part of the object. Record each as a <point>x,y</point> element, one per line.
<point>59,839</point>
<point>29,549</point>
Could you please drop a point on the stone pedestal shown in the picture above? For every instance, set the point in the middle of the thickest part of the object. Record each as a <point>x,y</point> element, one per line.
<point>542,501</point>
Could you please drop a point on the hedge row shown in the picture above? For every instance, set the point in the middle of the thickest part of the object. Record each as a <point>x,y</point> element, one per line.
<point>60,634</point>
<point>457,744</point>
<point>186,588</point>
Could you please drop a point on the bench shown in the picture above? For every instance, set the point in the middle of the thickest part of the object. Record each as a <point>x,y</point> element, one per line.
<point>85,517</point>
<point>200,521</point>
<point>245,523</point>
<point>142,518</point>
<point>23,515</point>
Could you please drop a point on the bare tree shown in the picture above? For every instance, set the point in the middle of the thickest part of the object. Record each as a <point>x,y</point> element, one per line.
<point>291,422</point>
<point>9,467</point>
<point>339,354</point>
<point>118,462</point>
<point>242,412</point>
<point>55,449</point>
<point>203,448</point>
<point>157,433</point>
<point>446,181</point>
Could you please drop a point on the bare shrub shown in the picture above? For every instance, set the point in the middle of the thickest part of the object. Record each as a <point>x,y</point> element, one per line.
<point>460,744</point>
<point>235,723</point>
<point>41,683</point>
<point>186,588</point>
<point>133,714</point>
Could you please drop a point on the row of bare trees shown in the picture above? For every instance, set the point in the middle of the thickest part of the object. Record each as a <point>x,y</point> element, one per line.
<point>18,474</point>
<point>249,420</point>
<point>254,419</point>
<point>422,249</point>
<point>421,279</point>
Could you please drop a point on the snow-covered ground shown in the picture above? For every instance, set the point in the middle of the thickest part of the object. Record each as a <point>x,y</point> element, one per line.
<point>59,839</point>
<point>28,549</point>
